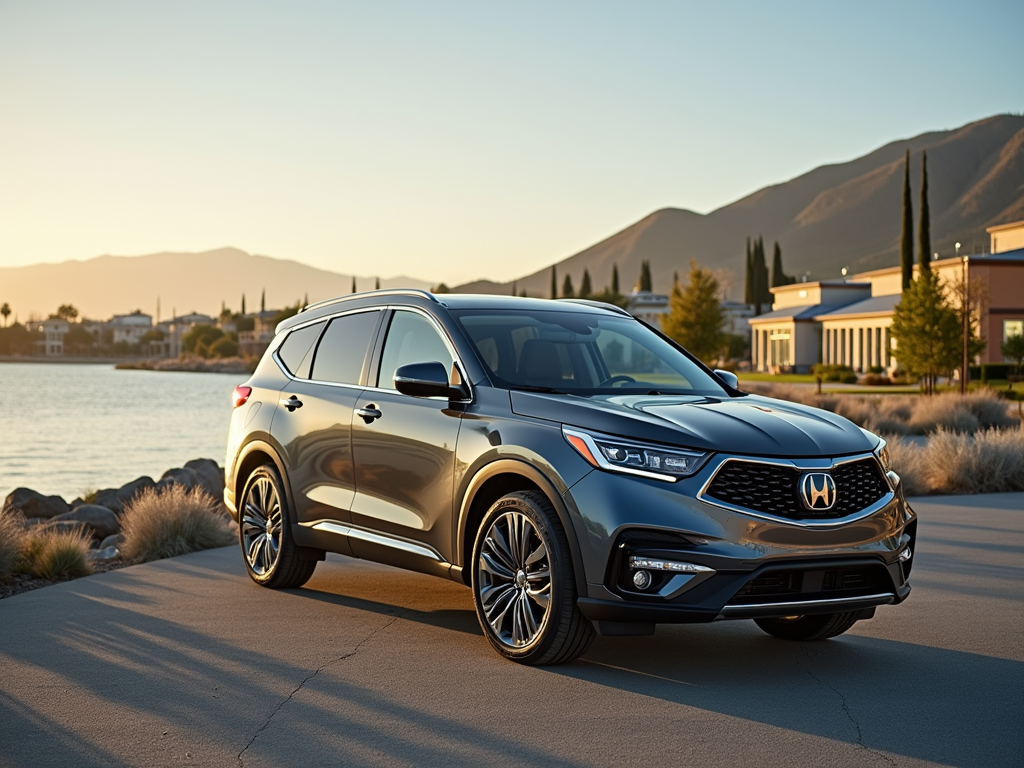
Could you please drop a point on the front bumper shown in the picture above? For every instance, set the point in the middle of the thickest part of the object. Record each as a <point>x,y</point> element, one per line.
<point>760,568</point>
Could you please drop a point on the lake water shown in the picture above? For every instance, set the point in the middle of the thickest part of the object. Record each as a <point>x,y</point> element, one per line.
<point>66,428</point>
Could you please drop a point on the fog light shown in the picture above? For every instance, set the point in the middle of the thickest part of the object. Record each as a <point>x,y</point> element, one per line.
<point>642,579</point>
<point>668,565</point>
<point>905,555</point>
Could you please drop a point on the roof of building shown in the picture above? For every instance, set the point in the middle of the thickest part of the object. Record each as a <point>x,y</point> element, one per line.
<point>840,283</point>
<point>1002,227</point>
<point>805,312</point>
<point>874,305</point>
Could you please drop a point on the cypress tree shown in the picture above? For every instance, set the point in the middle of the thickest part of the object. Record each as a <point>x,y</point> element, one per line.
<point>585,287</point>
<point>263,300</point>
<point>243,303</point>
<point>615,278</point>
<point>644,284</point>
<point>305,299</point>
<point>748,280</point>
<point>779,277</point>
<point>567,289</point>
<point>554,282</point>
<point>353,283</point>
<point>907,234</point>
<point>924,243</point>
<point>377,284</point>
<point>514,291</point>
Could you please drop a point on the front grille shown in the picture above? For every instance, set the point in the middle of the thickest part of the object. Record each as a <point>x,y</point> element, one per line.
<point>782,586</point>
<point>775,490</point>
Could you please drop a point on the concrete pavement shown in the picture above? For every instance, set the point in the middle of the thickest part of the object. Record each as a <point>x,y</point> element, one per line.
<point>185,661</point>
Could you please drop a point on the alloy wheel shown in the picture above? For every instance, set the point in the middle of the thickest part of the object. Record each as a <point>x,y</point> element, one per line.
<point>261,526</point>
<point>515,580</point>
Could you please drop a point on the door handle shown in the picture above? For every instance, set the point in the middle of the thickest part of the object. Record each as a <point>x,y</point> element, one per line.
<point>291,403</point>
<point>369,413</point>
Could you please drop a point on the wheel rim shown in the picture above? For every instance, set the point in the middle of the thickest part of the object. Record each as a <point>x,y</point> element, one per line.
<point>261,526</point>
<point>514,577</point>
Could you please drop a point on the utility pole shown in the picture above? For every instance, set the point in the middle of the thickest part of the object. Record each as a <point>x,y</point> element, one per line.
<point>965,311</point>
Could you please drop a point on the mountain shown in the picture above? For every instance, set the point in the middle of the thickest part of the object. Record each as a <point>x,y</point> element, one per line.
<point>846,214</point>
<point>182,282</point>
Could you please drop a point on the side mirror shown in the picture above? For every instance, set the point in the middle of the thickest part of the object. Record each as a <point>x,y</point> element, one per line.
<point>728,377</point>
<point>427,380</point>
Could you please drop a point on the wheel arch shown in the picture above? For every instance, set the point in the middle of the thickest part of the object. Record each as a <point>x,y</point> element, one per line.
<point>253,454</point>
<point>492,482</point>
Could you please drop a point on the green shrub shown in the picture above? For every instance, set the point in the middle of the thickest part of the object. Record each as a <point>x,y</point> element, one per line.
<point>56,555</point>
<point>172,522</point>
<point>843,374</point>
<point>12,541</point>
<point>223,347</point>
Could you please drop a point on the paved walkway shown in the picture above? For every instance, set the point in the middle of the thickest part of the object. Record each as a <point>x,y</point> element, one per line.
<point>185,662</point>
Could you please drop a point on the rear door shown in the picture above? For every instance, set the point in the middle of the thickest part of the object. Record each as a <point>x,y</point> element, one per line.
<point>405,456</point>
<point>314,418</point>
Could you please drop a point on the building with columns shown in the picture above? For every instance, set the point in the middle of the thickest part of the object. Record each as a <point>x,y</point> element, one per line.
<point>847,322</point>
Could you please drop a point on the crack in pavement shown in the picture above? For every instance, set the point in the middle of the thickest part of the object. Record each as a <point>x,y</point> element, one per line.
<point>309,677</point>
<point>849,715</point>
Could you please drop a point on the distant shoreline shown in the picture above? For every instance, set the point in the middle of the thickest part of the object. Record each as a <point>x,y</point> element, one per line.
<point>191,365</point>
<point>72,360</point>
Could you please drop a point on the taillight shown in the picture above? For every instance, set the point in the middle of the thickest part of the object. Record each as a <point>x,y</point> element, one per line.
<point>240,395</point>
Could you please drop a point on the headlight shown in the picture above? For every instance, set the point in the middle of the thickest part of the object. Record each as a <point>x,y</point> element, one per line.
<point>882,452</point>
<point>617,455</point>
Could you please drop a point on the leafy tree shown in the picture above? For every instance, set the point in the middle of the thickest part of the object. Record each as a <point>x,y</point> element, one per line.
<point>5,310</point>
<point>154,334</point>
<point>224,347</point>
<point>78,339</point>
<point>645,283</point>
<point>199,338</point>
<point>289,311</point>
<point>1013,349</point>
<point>924,233</point>
<point>695,317</point>
<point>907,234</point>
<point>554,282</point>
<point>440,288</point>
<point>608,296</point>
<point>927,330</point>
<point>585,287</point>
<point>567,290</point>
<point>779,277</point>
<point>66,312</point>
<point>615,278</point>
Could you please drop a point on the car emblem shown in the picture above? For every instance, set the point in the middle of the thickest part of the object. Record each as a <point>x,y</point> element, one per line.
<point>818,490</point>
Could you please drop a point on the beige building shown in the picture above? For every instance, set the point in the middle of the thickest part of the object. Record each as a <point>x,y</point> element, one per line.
<point>847,322</point>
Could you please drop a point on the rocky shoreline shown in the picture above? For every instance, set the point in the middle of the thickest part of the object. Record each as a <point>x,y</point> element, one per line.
<point>239,365</point>
<point>99,515</point>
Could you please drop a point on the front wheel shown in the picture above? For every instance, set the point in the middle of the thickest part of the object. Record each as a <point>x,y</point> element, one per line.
<point>270,555</point>
<point>819,627</point>
<point>524,586</point>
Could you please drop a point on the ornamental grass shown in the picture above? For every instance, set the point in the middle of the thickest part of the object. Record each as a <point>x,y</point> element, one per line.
<point>172,521</point>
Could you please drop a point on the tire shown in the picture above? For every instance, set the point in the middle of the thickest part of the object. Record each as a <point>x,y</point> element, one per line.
<point>268,551</point>
<point>819,627</point>
<point>525,596</point>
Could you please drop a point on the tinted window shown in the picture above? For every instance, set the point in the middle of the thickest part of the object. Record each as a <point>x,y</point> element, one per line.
<point>297,350</point>
<point>342,350</point>
<point>582,353</point>
<point>411,339</point>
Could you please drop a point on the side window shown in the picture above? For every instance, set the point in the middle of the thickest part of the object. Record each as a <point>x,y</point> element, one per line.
<point>297,350</point>
<point>342,349</point>
<point>411,339</point>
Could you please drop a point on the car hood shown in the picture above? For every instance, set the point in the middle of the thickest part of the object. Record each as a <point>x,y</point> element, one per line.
<point>749,425</point>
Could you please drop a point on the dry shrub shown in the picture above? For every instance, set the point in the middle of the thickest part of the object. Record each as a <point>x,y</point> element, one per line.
<point>991,461</point>
<point>56,554</point>
<point>12,541</point>
<point>909,462</point>
<point>171,522</point>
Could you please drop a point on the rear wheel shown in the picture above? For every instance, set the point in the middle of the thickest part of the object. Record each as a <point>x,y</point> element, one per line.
<point>819,627</point>
<point>524,586</point>
<point>270,555</point>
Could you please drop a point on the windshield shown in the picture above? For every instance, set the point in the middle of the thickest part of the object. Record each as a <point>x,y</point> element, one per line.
<point>580,353</point>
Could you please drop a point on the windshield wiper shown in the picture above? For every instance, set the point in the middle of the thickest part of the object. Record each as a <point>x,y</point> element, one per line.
<point>532,388</point>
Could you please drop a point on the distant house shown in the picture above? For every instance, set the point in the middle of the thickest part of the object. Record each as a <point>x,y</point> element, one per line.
<point>847,322</point>
<point>173,330</point>
<point>129,328</point>
<point>647,306</point>
<point>255,342</point>
<point>54,330</point>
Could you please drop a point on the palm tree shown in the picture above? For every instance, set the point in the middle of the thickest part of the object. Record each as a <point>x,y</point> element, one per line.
<point>5,310</point>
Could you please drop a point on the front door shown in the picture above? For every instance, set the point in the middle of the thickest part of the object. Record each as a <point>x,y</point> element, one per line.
<point>404,451</point>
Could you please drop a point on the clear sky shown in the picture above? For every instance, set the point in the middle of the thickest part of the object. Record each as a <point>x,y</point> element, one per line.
<point>450,141</point>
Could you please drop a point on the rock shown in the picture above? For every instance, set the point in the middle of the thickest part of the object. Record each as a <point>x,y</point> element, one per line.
<point>103,553</point>
<point>69,526</point>
<point>33,504</point>
<point>117,499</point>
<point>211,475</point>
<point>101,520</point>
<point>115,540</point>
<point>186,478</point>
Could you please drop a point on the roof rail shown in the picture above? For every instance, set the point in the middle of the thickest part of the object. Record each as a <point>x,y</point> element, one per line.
<point>380,292</point>
<point>599,305</point>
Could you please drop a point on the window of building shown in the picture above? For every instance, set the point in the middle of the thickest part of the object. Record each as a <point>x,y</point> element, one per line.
<point>1012,328</point>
